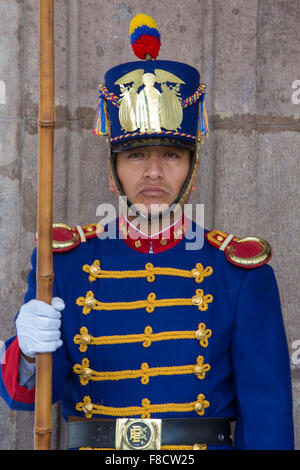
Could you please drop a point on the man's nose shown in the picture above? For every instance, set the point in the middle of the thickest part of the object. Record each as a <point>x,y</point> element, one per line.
<point>153,167</point>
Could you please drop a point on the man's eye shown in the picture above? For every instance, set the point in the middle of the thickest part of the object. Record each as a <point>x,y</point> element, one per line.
<point>172,155</point>
<point>135,155</point>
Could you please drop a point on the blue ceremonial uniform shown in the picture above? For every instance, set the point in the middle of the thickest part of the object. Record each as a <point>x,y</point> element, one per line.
<point>209,343</point>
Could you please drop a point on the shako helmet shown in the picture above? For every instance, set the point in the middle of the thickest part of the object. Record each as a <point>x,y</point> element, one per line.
<point>151,102</point>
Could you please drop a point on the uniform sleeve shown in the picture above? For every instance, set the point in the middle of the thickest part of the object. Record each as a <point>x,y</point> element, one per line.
<point>261,366</point>
<point>26,373</point>
<point>17,394</point>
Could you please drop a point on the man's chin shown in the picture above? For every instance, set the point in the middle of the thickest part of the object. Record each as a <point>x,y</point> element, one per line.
<point>152,212</point>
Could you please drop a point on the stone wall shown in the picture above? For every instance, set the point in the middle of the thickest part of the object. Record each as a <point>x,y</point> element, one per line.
<point>249,56</point>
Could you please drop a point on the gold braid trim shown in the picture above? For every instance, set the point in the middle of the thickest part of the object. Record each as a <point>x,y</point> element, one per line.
<point>97,448</point>
<point>84,339</point>
<point>90,303</point>
<point>198,273</point>
<point>145,372</point>
<point>201,447</point>
<point>90,409</point>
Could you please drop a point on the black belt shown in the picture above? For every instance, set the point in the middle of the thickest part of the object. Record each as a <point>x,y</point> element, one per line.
<point>100,433</point>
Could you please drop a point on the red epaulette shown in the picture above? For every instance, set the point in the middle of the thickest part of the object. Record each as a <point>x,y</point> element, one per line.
<point>67,238</point>
<point>248,252</point>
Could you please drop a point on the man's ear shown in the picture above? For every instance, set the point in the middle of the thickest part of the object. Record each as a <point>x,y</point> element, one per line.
<point>195,178</point>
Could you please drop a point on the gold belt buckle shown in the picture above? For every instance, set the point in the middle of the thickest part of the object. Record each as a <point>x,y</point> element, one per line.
<point>138,434</point>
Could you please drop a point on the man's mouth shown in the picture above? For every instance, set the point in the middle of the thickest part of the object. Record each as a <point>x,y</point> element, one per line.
<point>153,191</point>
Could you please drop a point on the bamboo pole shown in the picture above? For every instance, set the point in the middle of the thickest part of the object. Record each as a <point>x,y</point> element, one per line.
<point>45,276</point>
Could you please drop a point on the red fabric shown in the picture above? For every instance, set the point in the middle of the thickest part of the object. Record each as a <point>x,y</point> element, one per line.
<point>10,371</point>
<point>246,249</point>
<point>161,242</point>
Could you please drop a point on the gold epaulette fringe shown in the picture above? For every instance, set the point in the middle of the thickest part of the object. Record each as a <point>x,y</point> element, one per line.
<point>249,252</point>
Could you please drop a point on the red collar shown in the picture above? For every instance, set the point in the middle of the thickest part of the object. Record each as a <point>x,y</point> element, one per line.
<point>160,242</point>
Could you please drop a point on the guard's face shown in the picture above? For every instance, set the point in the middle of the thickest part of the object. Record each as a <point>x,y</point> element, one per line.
<point>152,176</point>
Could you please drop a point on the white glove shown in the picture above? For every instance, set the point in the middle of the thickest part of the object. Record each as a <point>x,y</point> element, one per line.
<point>38,326</point>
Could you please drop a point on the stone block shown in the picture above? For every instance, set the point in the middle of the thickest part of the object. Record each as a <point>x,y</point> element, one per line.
<point>278,46</point>
<point>235,49</point>
<point>235,182</point>
<point>11,59</point>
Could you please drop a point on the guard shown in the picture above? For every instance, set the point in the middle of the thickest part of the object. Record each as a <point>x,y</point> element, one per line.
<point>156,345</point>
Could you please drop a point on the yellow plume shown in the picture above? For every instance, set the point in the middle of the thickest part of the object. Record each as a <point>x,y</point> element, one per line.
<point>140,20</point>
